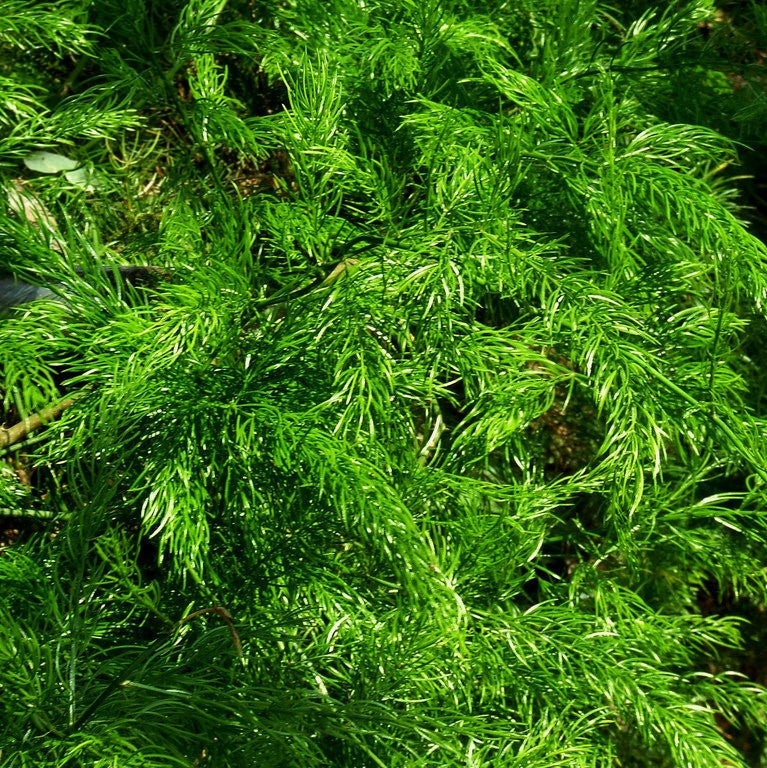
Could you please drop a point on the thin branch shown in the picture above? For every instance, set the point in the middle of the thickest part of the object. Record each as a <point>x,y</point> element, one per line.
<point>219,610</point>
<point>19,431</point>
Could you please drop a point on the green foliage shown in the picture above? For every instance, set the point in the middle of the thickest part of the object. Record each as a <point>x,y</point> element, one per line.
<point>440,441</point>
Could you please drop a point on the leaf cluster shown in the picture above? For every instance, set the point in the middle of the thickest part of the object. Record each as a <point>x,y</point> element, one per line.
<point>445,419</point>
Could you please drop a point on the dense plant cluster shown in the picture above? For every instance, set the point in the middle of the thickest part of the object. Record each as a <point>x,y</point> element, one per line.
<point>436,436</point>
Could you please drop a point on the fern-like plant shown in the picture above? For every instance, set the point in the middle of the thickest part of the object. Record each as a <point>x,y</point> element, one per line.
<point>437,436</point>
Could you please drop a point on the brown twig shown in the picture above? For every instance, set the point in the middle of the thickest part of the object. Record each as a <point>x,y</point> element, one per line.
<point>220,611</point>
<point>19,431</point>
